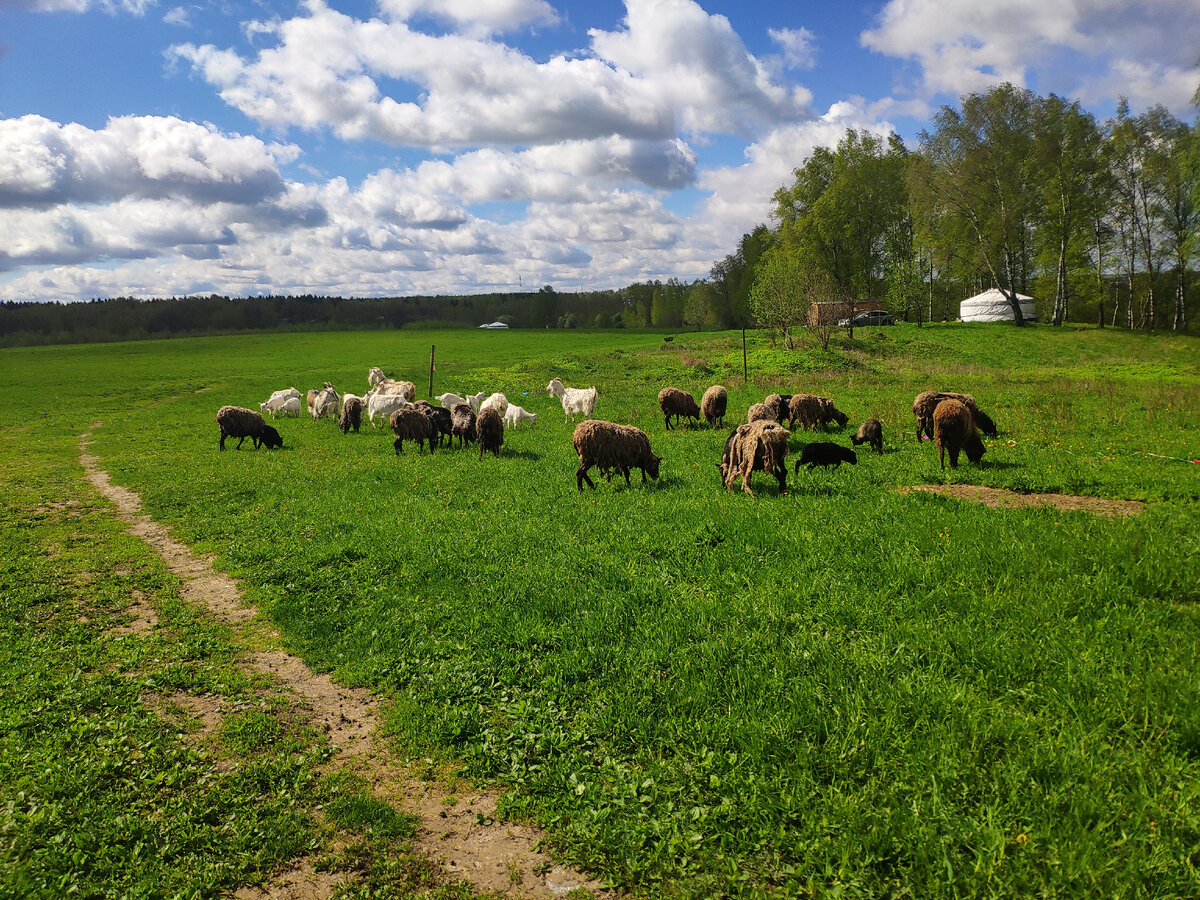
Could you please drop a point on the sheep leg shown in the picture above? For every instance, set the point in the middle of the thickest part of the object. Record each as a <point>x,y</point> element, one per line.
<point>239,446</point>
<point>954,457</point>
<point>781,477</point>
<point>581,475</point>
<point>399,445</point>
<point>223,436</point>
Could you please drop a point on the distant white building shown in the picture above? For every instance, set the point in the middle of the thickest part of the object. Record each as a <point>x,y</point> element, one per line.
<point>494,325</point>
<point>993,306</point>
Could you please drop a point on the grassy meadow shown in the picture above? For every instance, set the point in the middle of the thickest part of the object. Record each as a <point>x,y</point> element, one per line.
<point>842,690</point>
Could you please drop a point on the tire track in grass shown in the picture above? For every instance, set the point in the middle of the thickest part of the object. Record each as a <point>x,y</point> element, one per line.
<point>494,858</point>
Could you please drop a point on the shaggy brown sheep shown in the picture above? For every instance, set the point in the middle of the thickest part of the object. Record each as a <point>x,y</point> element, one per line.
<point>352,412</point>
<point>869,432</point>
<point>612,448</point>
<point>411,424</point>
<point>242,423</point>
<point>713,405</point>
<point>489,431</point>
<point>462,423</point>
<point>674,402</point>
<point>759,446</point>
<point>954,430</point>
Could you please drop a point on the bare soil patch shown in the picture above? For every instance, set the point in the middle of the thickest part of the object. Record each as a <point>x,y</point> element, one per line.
<point>998,498</point>
<point>144,617</point>
<point>492,857</point>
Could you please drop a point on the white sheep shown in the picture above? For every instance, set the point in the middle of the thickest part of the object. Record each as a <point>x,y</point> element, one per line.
<point>575,401</point>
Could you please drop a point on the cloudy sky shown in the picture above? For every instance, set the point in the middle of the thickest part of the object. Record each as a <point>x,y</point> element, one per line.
<point>458,146</point>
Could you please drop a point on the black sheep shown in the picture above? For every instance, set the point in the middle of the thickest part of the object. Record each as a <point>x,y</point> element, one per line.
<point>825,453</point>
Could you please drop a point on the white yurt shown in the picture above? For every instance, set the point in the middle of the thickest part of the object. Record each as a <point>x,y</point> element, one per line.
<point>993,306</point>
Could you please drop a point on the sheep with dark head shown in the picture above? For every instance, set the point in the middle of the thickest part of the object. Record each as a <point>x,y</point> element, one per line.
<point>954,430</point>
<point>489,430</point>
<point>440,417</point>
<point>352,412</point>
<point>242,423</point>
<point>869,432</point>
<point>713,405</point>
<point>758,446</point>
<point>410,424</point>
<point>984,422</point>
<point>674,402</point>
<point>776,406</point>
<point>825,453</point>
<point>462,423</point>
<point>807,409</point>
<point>927,401</point>
<point>612,448</point>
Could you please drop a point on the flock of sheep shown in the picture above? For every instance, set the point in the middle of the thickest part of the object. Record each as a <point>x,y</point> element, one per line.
<point>952,420</point>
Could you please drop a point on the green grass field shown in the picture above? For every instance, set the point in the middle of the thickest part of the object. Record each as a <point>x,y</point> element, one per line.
<point>843,690</point>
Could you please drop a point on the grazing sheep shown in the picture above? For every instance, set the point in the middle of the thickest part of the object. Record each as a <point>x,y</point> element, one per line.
<point>489,431</point>
<point>242,423</point>
<point>830,413</point>
<point>612,448</point>
<point>807,409</point>
<point>575,401</point>
<point>869,432</point>
<point>713,405</point>
<point>759,413</point>
<point>674,402</point>
<point>496,401</point>
<point>825,453</point>
<point>352,410</point>
<point>926,402</point>
<point>954,430</point>
<point>758,446</point>
<point>984,422</point>
<point>462,423</point>
<point>440,417</point>
<point>411,424</point>
<point>280,402</point>
<point>776,406</point>
<point>515,414</point>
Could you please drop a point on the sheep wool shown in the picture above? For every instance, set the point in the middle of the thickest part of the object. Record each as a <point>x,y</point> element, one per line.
<point>776,406</point>
<point>489,431</point>
<point>713,405</point>
<point>242,423</point>
<point>759,446</point>
<point>462,423</point>
<point>675,402</point>
<point>954,430</point>
<point>352,411</point>
<point>808,410</point>
<point>869,432</point>
<point>612,448</point>
<point>759,413</point>
<point>411,424</point>
<point>927,401</point>
<point>440,419</point>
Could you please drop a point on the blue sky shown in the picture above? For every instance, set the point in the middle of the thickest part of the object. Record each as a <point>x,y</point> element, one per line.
<point>456,146</point>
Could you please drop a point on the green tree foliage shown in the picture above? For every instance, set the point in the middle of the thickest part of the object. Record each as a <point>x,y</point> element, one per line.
<point>785,288</point>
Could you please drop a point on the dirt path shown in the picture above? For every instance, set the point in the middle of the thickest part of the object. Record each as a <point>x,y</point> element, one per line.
<point>999,498</point>
<point>498,857</point>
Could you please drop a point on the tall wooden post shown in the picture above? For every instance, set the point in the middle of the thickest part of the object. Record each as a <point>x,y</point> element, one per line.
<point>745,369</point>
<point>432,347</point>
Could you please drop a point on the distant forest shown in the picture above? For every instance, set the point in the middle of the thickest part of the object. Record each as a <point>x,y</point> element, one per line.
<point>1099,222</point>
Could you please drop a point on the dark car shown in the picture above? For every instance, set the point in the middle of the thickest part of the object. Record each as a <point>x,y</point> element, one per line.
<point>870,317</point>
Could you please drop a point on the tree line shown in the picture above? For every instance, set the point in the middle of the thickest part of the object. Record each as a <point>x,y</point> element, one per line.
<point>1031,195</point>
<point>1028,194</point>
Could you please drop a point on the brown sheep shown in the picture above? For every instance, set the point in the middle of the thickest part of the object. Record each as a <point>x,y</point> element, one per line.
<point>352,411</point>
<point>713,405</point>
<point>759,413</point>
<point>612,448</point>
<point>242,423</point>
<point>807,409</point>
<point>954,430</point>
<point>759,446</point>
<point>926,402</point>
<point>462,423</point>
<point>489,431</point>
<point>674,402</point>
<point>411,424</point>
<point>869,432</point>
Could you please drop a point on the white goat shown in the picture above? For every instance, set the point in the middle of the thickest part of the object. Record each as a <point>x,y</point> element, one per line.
<point>575,401</point>
<point>381,404</point>
<point>326,403</point>
<point>496,401</point>
<point>515,414</point>
<point>276,402</point>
